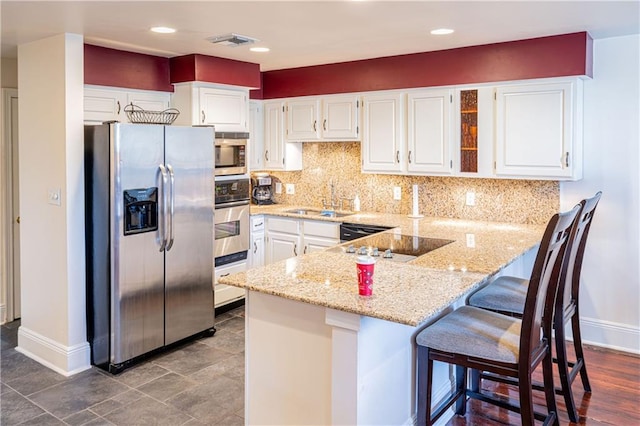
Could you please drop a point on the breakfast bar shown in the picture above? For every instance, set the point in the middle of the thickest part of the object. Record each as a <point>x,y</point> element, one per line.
<point>318,353</point>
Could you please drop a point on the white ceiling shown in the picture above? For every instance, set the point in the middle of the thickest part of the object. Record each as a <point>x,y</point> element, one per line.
<point>301,33</point>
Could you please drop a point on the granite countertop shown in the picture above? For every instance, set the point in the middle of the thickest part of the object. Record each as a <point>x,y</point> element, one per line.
<point>408,293</point>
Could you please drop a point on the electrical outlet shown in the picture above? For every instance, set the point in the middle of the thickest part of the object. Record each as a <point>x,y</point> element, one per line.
<point>290,188</point>
<point>53,196</point>
<point>397,193</point>
<point>471,240</point>
<point>471,198</point>
<point>278,188</point>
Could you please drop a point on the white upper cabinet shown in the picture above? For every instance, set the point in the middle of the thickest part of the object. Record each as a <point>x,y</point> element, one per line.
<point>279,154</point>
<point>340,118</point>
<point>429,144</point>
<point>382,147</point>
<point>538,131</point>
<point>107,104</point>
<point>327,118</point>
<point>302,120</point>
<point>256,136</point>
<point>226,109</point>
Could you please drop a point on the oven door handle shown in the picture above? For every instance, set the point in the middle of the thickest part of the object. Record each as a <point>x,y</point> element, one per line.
<point>232,204</point>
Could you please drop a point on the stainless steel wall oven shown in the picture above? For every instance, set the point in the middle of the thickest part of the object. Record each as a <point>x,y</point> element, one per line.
<point>231,228</point>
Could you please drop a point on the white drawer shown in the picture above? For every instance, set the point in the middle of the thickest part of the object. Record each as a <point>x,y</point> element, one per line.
<point>322,229</point>
<point>288,226</point>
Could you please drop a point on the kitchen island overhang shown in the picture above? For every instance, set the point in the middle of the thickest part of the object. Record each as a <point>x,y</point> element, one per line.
<point>317,353</point>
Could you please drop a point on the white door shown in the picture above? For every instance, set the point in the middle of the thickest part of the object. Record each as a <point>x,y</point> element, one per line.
<point>382,137</point>
<point>257,250</point>
<point>340,118</point>
<point>302,120</point>
<point>534,130</point>
<point>429,132</point>
<point>313,244</point>
<point>273,133</point>
<point>225,109</point>
<point>282,246</point>
<point>256,138</point>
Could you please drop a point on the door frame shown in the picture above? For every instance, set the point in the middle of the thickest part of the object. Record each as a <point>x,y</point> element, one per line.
<point>6,214</point>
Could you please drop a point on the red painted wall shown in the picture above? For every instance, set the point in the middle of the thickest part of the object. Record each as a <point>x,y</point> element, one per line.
<point>555,56</point>
<point>212,69</point>
<point>118,68</point>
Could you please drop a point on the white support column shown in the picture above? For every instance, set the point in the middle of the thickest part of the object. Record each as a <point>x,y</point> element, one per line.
<point>50,79</point>
<point>344,366</point>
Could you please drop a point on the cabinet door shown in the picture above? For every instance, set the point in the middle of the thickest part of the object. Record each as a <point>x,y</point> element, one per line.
<point>302,120</point>
<point>225,109</point>
<point>256,250</point>
<point>102,105</point>
<point>256,136</point>
<point>273,135</point>
<point>313,244</point>
<point>223,293</point>
<point>429,132</point>
<point>534,130</point>
<point>383,135</point>
<point>282,246</point>
<point>149,101</point>
<point>340,119</point>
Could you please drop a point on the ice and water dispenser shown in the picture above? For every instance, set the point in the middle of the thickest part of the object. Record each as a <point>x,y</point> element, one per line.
<point>140,210</point>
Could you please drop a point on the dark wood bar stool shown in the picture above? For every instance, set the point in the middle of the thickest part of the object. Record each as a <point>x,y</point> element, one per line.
<point>478,339</point>
<point>506,295</point>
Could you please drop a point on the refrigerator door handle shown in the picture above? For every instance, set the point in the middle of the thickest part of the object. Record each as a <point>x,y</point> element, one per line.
<point>172,197</point>
<point>162,228</point>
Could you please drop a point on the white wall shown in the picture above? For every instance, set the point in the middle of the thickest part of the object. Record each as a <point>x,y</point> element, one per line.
<point>610,290</point>
<point>50,78</point>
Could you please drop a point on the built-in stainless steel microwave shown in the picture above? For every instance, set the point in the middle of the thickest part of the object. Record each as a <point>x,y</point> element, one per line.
<point>231,149</point>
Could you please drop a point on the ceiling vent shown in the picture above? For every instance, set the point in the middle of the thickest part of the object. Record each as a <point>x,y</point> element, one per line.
<point>232,40</point>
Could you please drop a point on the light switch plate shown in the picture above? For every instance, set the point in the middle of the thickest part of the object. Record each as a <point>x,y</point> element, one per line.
<point>397,193</point>
<point>53,196</point>
<point>471,240</point>
<point>278,188</point>
<point>290,188</point>
<point>471,198</point>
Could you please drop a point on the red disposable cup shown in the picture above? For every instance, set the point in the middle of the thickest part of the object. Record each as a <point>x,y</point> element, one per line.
<point>364,266</point>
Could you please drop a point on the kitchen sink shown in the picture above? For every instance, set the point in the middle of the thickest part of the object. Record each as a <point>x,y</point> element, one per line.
<point>316,212</point>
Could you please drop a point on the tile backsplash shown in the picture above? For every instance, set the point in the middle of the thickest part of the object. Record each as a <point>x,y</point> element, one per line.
<point>501,200</point>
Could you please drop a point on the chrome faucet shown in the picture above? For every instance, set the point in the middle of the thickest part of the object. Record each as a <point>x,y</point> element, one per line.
<point>333,201</point>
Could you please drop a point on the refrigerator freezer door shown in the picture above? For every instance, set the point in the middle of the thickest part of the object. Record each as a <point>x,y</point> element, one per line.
<point>137,267</point>
<point>189,156</point>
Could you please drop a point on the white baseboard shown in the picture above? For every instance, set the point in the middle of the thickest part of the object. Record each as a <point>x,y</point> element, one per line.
<point>610,335</point>
<point>3,313</point>
<point>66,360</point>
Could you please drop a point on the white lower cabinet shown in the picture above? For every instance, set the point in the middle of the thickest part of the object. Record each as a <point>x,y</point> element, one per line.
<point>256,246</point>
<point>288,238</point>
<point>223,293</point>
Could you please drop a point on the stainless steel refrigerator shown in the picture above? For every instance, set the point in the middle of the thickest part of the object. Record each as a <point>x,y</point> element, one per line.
<point>149,231</point>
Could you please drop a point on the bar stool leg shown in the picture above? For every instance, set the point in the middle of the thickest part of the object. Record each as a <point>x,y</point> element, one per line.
<point>526,398</point>
<point>461,386</point>
<point>563,370</point>
<point>549,388</point>
<point>425,375</point>
<point>577,344</point>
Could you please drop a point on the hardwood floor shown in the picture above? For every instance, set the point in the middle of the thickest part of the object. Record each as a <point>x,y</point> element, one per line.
<point>614,400</point>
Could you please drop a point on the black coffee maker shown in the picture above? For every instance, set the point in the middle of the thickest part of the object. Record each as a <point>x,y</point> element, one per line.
<point>261,193</point>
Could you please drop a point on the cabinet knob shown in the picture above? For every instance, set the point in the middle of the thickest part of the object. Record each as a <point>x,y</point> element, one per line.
<point>295,249</point>
<point>314,125</point>
<point>409,157</point>
<point>324,124</point>
<point>203,117</point>
<point>118,110</point>
<point>18,219</point>
<point>266,155</point>
<point>397,156</point>
<point>255,247</point>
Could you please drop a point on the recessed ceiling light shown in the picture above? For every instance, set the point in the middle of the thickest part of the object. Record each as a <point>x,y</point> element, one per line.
<point>441,31</point>
<point>163,30</point>
<point>259,49</point>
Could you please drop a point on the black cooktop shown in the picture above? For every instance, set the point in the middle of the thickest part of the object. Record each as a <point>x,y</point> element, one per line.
<point>406,247</point>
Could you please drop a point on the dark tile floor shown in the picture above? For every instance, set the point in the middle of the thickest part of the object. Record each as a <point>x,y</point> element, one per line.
<point>199,383</point>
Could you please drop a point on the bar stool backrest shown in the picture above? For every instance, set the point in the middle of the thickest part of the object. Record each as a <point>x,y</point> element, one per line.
<point>543,285</point>
<point>569,294</point>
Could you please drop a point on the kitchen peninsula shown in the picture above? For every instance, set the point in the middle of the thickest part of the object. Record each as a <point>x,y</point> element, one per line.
<point>317,353</point>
